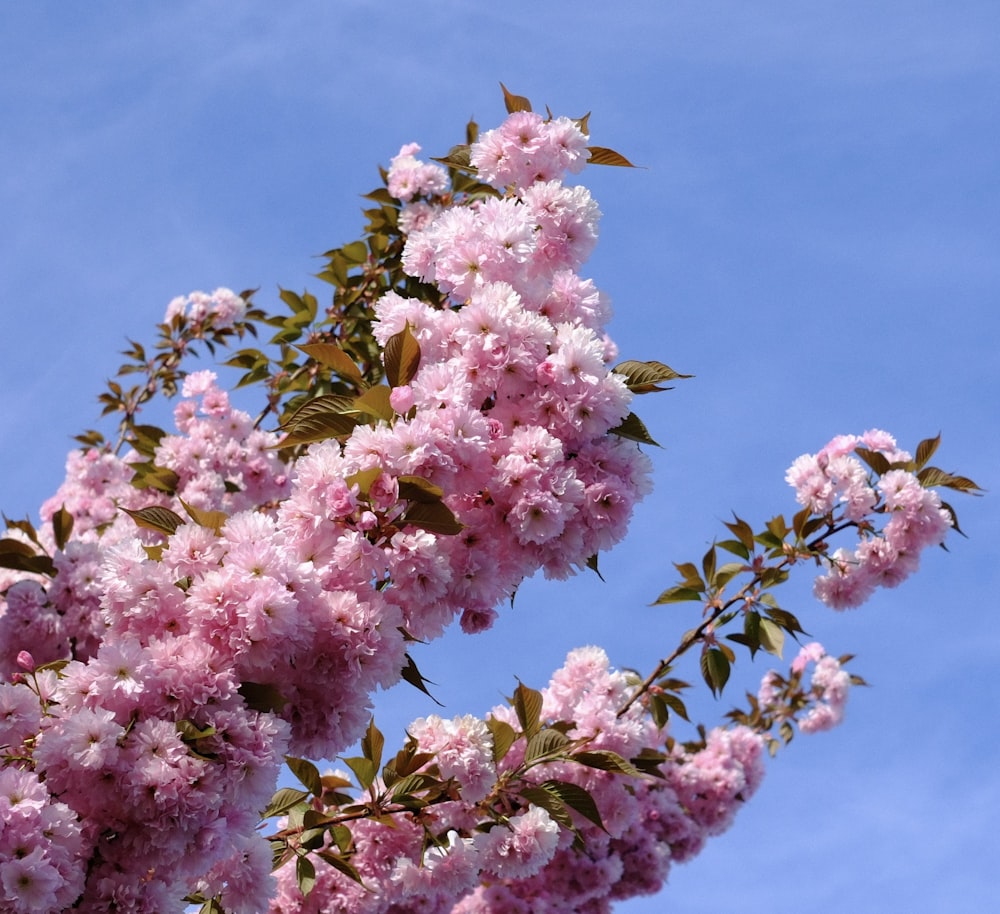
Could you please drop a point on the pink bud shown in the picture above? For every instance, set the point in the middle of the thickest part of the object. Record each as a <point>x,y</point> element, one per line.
<point>25,661</point>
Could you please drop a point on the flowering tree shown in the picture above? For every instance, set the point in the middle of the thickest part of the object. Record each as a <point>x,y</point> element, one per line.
<point>199,606</point>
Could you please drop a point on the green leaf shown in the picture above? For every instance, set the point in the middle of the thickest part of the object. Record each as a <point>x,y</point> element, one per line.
<point>340,864</point>
<point>305,873</point>
<point>545,743</point>
<point>434,517</point>
<point>283,800</point>
<point>364,770</point>
<point>307,773</point>
<point>317,426</point>
<point>727,572</point>
<point>375,402</point>
<point>418,489</point>
<point>211,520</point>
<point>528,707</point>
<point>410,784</point>
<point>708,563</point>
<point>576,798</point>
<point>357,252</point>
<point>591,563</point>
<point>926,449</point>
<point>606,760</point>
<point>735,547</point>
<point>372,743</point>
<point>875,459</point>
<point>678,594</point>
<point>262,697</point>
<point>504,736</point>
<point>632,428</point>
<point>162,520</point>
<point>514,102</point>
<point>149,476</point>
<point>742,531</point>
<point>413,676</point>
<point>333,357</point>
<point>772,637</point>
<point>551,803</point>
<point>401,357</point>
<point>643,377</point>
<point>20,556</point>
<point>932,476</point>
<point>601,155</point>
<point>715,668</point>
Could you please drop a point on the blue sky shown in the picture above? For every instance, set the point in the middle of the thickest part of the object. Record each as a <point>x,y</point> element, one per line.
<point>814,234</point>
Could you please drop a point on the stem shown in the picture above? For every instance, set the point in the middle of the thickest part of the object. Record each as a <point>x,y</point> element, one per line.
<point>698,634</point>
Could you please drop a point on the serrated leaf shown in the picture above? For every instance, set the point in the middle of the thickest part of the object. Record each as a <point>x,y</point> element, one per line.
<point>283,800</point>
<point>678,594</point>
<point>606,760</point>
<point>504,736</point>
<point>305,875</point>
<point>591,563</point>
<point>925,450</point>
<point>340,864</point>
<point>632,428</point>
<point>418,489</point>
<point>157,518</point>
<point>262,697</point>
<point>772,637</point>
<point>727,572</point>
<point>401,357</point>
<point>458,157</point>
<point>333,357</point>
<point>735,547</point>
<point>527,704</point>
<point>150,476</point>
<point>375,402</point>
<point>543,744</point>
<point>875,459</point>
<point>364,770</point>
<point>708,563</point>
<point>643,377</point>
<point>551,803</point>
<point>356,252</point>
<point>715,668</point>
<point>434,517</point>
<point>932,476</point>
<point>211,520</point>
<point>514,102</point>
<point>577,798</point>
<point>742,531</point>
<point>317,426</point>
<point>601,155</point>
<point>413,676</point>
<point>372,743</point>
<point>414,782</point>
<point>307,773</point>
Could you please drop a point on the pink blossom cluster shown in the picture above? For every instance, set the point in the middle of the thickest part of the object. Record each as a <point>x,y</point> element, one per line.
<point>526,149</point>
<point>221,308</point>
<point>41,865</point>
<point>221,463</point>
<point>121,794</point>
<point>525,863</point>
<point>409,177</point>
<point>835,479</point>
<point>825,694</point>
<point>198,658</point>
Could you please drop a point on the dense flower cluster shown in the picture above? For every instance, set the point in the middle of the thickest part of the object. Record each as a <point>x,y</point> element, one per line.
<point>524,862</point>
<point>286,582</point>
<point>835,478</point>
<point>823,698</point>
<point>203,608</point>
